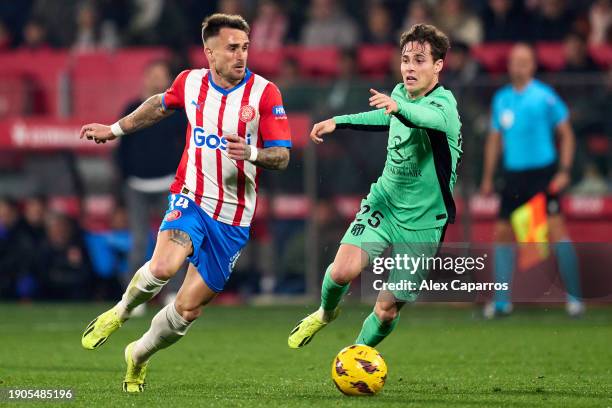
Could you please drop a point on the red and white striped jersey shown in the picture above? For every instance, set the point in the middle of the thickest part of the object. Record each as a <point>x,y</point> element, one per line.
<point>226,189</point>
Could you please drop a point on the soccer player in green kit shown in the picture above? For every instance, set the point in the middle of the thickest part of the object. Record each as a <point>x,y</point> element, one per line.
<point>409,206</point>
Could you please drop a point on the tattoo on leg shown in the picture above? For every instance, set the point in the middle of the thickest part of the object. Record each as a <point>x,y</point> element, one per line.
<point>181,238</point>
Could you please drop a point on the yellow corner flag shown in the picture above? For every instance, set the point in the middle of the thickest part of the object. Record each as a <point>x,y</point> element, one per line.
<point>530,225</point>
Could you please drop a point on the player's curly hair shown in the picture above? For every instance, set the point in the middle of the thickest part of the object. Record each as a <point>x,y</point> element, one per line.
<point>215,22</point>
<point>426,33</point>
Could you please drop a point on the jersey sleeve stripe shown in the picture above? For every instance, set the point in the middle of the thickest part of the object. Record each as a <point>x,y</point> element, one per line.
<point>163,101</point>
<point>277,143</point>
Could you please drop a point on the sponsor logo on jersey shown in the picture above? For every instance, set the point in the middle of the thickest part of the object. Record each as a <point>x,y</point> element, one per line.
<point>212,141</point>
<point>173,215</point>
<point>279,112</point>
<point>247,113</point>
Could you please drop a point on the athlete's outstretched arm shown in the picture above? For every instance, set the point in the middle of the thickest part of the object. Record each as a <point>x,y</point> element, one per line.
<point>271,158</point>
<point>430,116</point>
<point>148,113</point>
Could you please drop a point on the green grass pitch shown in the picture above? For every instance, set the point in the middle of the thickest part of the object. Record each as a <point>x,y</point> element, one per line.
<point>238,356</point>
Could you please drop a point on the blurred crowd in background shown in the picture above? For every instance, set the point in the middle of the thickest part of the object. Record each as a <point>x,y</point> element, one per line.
<point>50,254</point>
<point>92,24</point>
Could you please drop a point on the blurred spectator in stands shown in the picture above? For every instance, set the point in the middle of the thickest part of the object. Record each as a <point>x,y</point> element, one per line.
<point>328,25</point>
<point>109,251</point>
<point>16,250</point>
<point>348,92</point>
<point>269,28</point>
<point>6,38</point>
<point>330,226</point>
<point>58,17</point>
<point>157,23</point>
<point>295,93</point>
<point>592,182</point>
<point>34,213</point>
<point>452,18</point>
<point>577,58</point>
<point>35,35</point>
<point>459,66</point>
<point>231,7</point>
<point>503,21</point>
<point>147,161</point>
<point>379,26</point>
<point>418,12</point>
<point>87,32</point>
<point>65,269</point>
<point>14,15</point>
<point>552,21</point>
<point>600,19</point>
<point>91,34</point>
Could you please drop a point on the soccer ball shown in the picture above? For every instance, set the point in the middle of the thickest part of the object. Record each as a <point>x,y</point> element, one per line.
<point>359,370</point>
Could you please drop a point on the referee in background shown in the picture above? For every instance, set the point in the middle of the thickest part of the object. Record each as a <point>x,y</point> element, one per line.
<point>525,116</point>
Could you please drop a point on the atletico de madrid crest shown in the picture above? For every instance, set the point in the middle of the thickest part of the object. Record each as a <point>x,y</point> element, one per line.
<point>173,215</point>
<point>247,113</point>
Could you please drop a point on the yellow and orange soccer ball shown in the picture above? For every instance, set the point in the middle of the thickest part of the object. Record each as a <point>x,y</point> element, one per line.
<point>359,370</point>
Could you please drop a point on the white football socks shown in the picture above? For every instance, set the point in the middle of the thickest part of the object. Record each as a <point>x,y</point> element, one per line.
<point>167,327</point>
<point>142,288</point>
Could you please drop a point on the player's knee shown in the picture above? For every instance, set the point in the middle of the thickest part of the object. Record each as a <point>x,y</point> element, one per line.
<point>162,269</point>
<point>386,315</point>
<point>188,310</point>
<point>343,272</point>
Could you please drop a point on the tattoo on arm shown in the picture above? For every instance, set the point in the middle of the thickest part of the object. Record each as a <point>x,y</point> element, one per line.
<point>148,113</point>
<point>181,238</point>
<point>273,158</point>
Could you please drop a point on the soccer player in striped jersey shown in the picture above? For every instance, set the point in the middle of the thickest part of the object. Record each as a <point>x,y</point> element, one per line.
<point>237,126</point>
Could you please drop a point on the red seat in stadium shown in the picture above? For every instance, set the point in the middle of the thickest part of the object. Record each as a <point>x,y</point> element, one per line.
<point>266,63</point>
<point>42,69</point>
<point>14,94</point>
<point>197,59</point>
<point>317,61</point>
<point>551,55</point>
<point>492,56</point>
<point>375,60</point>
<point>602,54</point>
<point>103,83</point>
<point>93,86</point>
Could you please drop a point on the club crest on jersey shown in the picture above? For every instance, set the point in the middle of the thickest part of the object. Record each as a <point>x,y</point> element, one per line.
<point>247,113</point>
<point>173,215</point>
<point>279,112</point>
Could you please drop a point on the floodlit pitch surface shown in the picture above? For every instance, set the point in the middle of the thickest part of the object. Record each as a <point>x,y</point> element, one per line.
<point>238,356</point>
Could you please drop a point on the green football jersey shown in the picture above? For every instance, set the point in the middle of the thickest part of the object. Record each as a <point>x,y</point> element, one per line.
<point>423,151</point>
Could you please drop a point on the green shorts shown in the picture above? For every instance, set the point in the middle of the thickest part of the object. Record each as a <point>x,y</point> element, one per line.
<point>374,230</point>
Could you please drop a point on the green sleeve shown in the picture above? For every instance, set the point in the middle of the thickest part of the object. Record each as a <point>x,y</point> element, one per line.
<point>430,115</point>
<point>372,120</point>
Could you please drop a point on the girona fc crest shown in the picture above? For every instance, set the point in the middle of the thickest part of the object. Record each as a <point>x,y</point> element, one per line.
<point>173,215</point>
<point>247,113</point>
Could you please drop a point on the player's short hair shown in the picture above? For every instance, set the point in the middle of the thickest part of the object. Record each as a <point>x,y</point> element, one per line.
<point>215,22</point>
<point>426,33</point>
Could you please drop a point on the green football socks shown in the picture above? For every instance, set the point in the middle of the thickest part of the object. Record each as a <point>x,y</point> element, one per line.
<point>374,331</point>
